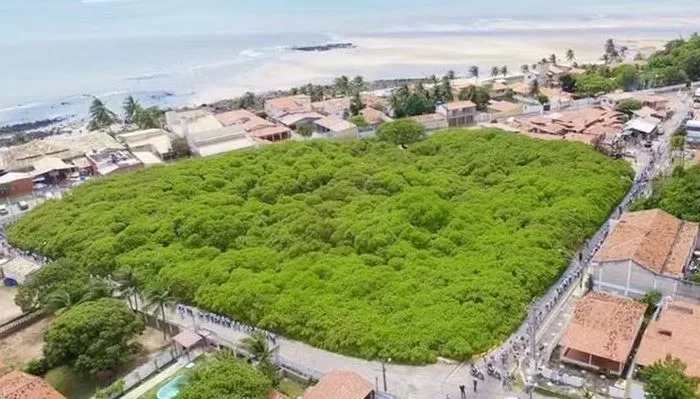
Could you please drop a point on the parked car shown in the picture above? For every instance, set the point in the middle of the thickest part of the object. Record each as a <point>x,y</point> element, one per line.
<point>3,209</point>
<point>23,205</point>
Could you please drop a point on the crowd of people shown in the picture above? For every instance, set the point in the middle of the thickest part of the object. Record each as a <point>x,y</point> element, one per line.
<point>222,321</point>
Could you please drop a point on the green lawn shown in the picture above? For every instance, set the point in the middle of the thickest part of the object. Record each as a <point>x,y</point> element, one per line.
<point>291,388</point>
<point>73,385</point>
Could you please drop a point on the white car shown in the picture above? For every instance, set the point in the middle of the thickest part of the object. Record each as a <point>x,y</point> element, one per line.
<point>3,209</point>
<point>23,205</point>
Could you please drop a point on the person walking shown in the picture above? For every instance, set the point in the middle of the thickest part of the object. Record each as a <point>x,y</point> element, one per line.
<point>475,383</point>
<point>463,392</point>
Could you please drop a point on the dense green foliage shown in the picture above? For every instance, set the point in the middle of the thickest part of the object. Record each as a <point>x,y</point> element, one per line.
<point>226,378</point>
<point>666,379</point>
<point>401,132</point>
<point>479,95</point>
<point>629,105</point>
<point>677,195</point>
<point>357,247</point>
<point>92,336</point>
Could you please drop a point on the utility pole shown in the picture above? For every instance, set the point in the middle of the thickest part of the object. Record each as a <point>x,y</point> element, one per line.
<point>384,373</point>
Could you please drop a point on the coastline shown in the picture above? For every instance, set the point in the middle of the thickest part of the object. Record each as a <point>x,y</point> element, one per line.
<point>376,57</point>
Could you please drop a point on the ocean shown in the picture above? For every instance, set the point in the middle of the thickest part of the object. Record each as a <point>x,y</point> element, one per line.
<point>55,55</point>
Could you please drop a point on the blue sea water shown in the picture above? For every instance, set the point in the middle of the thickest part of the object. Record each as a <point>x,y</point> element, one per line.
<point>55,54</point>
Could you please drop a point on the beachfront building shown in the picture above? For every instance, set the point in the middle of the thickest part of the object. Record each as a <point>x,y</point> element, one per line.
<point>256,127</point>
<point>504,109</point>
<point>106,162</point>
<point>18,385</point>
<point>55,158</point>
<point>149,141</point>
<point>458,113</point>
<point>276,108</point>
<point>431,122</point>
<point>645,251</point>
<point>341,385</point>
<point>295,120</point>
<point>548,74</point>
<point>218,141</point>
<point>673,333</point>
<point>334,127</point>
<point>602,332</point>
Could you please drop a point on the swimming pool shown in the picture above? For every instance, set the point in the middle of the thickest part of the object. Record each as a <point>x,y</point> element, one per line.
<point>172,388</point>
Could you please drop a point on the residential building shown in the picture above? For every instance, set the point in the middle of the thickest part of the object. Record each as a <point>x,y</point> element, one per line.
<point>648,113</point>
<point>256,127</point>
<point>292,121</point>
<point>548,74</point>
<point>673,333</point>
<point>597,123</point>
<point>645,128</point>
<point>18,385</point>
<point>16,271</point>
<point>613,100</point>
<point>106,162</point>
<point>431,122</point>
<point>657,103</point>
<point>458,113</point>
<point>338,107</point>
<point>373,117</point>
<point>602,332</point>
<point>276,108</point>
<point>54,157</point>
<point>182,122</point>
<point>16,183</point>
<point>155,141</point>
<point>341,385</point>
<point>219,141</point>
<point>334,127</point>
<point>504,109</point>
<point>645,251</point>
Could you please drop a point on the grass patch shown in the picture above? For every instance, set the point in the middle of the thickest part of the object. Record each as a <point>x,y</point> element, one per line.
<point>73,385</point>
<point>291,388</point>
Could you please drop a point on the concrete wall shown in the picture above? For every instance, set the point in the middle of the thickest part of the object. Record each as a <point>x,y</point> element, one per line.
<point>627,278</point>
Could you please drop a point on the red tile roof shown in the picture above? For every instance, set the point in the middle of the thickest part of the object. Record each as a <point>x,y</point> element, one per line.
<point>674,333</point>
<point>654,239</point>
<point>340,385</point>
<point>604,326</point>
<point>17,385</point>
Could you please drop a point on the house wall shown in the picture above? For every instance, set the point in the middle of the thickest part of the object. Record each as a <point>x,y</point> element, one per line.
<point>17,187</point>
<point>629,279</point>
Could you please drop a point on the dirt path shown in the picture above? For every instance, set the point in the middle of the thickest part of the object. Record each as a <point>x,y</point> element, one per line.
<point>8,309</point>
<point>23,345</point>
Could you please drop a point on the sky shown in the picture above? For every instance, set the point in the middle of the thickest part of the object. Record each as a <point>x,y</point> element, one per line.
<point>31,20</point>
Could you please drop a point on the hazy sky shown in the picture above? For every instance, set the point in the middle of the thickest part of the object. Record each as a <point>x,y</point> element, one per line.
<point>60,19</point>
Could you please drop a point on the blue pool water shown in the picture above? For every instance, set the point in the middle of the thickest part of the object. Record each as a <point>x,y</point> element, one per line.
<point>172,388</point>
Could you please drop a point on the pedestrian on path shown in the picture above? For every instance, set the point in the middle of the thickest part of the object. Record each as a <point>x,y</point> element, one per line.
<point>475,383</point>
<point>463,392</point>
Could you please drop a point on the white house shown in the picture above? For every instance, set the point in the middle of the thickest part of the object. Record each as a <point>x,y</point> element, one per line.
<point>613,100</point>
<point>646,250</point>
<point>17,270</point>
<point>334,127</point>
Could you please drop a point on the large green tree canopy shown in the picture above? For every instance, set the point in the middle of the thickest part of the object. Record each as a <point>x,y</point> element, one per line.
<point>677,195</point>
<point>93,336</point>
<point>226,378</point>
<point>359,247</point>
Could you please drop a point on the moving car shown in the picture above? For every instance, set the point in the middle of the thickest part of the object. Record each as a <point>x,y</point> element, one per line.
<point>3,209</point>
<point>23,205</point>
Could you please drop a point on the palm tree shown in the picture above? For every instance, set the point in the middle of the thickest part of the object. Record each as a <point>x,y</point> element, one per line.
<point>100,116</point>
<point>534,88</point>
<point>553,59</point>
<point>358,84</point>
<point>130,106</point>
<point>504,70</point>
<point>128,286</point>
<point>570,56</point>
<point>623,52</point>
<point>606,59</point>
<point>257,347</point>
<point>495,71</point>
<point>58,302</point>
<point>474,71</point>
<point>534,66</point>
<point>341,85</point>
<point>525,68</point>
<point>432,79</point>
<point>157,299</point>
<point>451,75</point>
